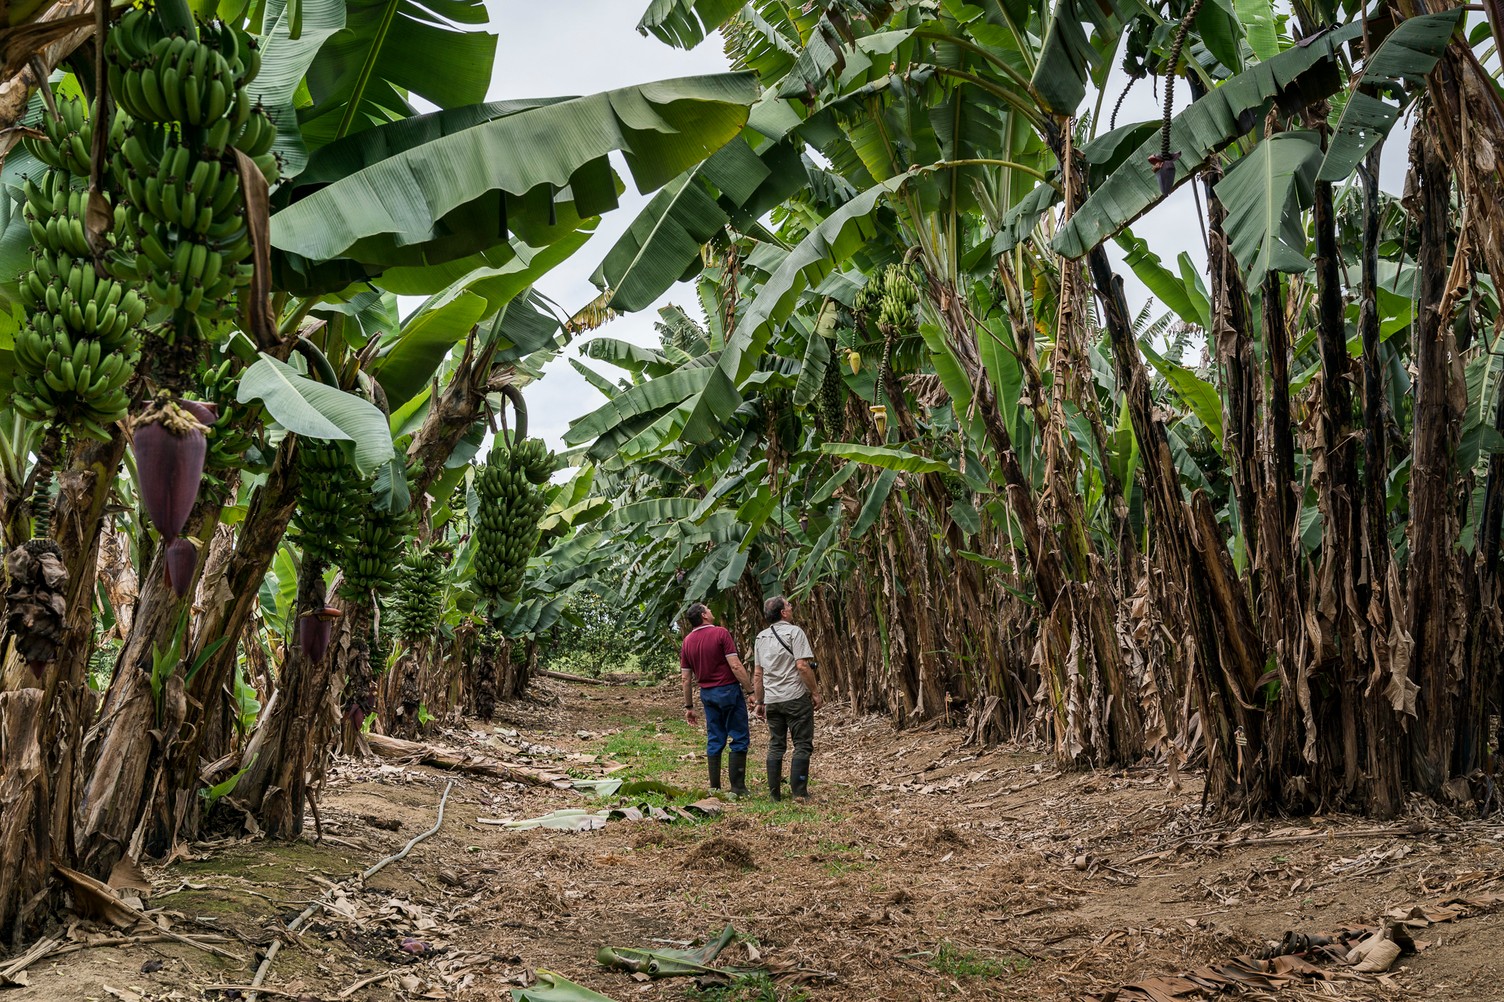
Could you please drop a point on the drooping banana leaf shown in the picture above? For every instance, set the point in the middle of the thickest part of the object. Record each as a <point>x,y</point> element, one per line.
<point>1264,194</point>
<point>872,507</point>
<point>1196,393</point>
<point>443,198</point>
<point>1407,55</point>
<point>884,458</point>
<point>317,410</point>
<point>1166,287</point>
<point>1069,57</point>
<point>286,54</point>
<point>1292,79</point>
<point>1103,156</point>
<point>662,246</point>
<point>685,23</point>
<point>391,51</point>
<point>1259,29</point>
<point>430,333</point>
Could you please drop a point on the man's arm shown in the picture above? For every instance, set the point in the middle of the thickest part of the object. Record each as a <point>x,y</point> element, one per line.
<point>807,676</point>
<point>740,671</point>
<point>689,697</point>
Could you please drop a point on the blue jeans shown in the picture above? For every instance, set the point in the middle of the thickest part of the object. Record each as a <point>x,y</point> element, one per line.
<point>725,716</point>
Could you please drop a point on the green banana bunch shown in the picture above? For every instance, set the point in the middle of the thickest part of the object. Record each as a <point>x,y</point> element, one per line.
<point>418,599</point>
<point>171,77</point>
<point>506,522</point>
<point>328,502</point>
<point>373,561</point>
<point>228,440</point>
<point>897,303</point>
<point>78,350</point>
<point>67,295</point>
<point>83,388</point>
<point>67,140</point>
<point>187,93</point>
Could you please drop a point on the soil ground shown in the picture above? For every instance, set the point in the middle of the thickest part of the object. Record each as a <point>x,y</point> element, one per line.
<point>923,869</point>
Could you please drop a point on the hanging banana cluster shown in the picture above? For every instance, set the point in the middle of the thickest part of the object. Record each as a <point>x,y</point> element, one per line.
<point>897,302</point>
<point>191,110</point>
<point>373,560</point>
<point>506,524</point>
<point>418,601</point>
<point>228,439</point>
<point>329,502</point>
<point>78,349</point>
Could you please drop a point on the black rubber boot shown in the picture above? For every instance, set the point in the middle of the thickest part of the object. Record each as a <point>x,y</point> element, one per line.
<point>715,770</point>
<point>799,778</point>
<point>775,778</point>
<point>738,770</point>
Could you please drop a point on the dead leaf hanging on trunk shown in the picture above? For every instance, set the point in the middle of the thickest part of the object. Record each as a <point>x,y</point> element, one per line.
<point>257,298</point>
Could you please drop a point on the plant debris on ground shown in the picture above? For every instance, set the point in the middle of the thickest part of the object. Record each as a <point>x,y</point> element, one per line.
<point>922,869</point>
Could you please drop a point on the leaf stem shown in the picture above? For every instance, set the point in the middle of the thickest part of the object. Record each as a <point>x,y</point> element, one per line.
<point>357,95</point>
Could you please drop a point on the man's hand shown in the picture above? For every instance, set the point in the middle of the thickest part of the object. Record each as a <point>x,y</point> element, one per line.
<point>761,711</point>
<point>815,696</point>
<point>690,718</point>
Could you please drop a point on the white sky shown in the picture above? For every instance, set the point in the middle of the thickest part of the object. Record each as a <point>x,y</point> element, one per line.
<point>585,46</point>
<point>582,47</point>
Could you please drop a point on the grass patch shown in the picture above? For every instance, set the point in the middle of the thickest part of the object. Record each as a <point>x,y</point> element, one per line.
<point>782,812</point>
<point>651,750</point>
<point>841,867</point>
<point>959,962</point>
<point>753,988</point>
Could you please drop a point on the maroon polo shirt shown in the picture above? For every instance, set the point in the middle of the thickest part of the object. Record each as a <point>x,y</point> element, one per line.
<point>704,653</point>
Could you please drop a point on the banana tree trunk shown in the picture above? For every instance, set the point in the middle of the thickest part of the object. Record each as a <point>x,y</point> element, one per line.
<point>41,728</point>
<point>277,763</point>
<point>1435,592</point>
<point>1229,657</point>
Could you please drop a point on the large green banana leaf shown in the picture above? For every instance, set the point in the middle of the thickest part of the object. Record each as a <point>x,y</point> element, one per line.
<point>695,400</point>
<point>1406,56</point>
<point>460,193</point>
<point>685,23</point>
<point>287,51</point>
<point>427,337</point>
<point>662,246</point>
<point>1264,193</point>
<point>1259,29</point>
<point>1293,79</point>
<point>317,410</point>
<point>1103,156</point>
<point>391,51</point>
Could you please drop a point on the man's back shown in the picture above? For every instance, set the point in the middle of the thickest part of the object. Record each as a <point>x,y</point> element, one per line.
<point>704,653</point>
<point>781,681</point>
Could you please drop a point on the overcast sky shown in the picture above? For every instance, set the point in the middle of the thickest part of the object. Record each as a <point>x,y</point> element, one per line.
<point>585,46</point>
<point>581,47</point>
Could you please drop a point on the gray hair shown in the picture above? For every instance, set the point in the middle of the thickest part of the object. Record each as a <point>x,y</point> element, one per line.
<point>772,609</point>
<point>695,614</point>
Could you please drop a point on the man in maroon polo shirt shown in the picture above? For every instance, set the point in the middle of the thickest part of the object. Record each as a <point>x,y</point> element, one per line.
<point>709,658</point>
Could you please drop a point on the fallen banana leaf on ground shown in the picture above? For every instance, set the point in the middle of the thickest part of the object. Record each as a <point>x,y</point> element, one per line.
<point>670,963</point>
<point>609,787</point>
<point>550,987</point>
<point>597,787</point>
<point>689,812</point>
<point>694,963</point>
<point>577,819</point>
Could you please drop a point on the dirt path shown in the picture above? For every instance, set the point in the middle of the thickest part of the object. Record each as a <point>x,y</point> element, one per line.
<point>923,869</point>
